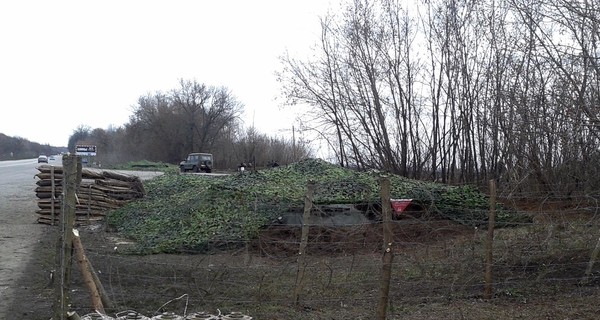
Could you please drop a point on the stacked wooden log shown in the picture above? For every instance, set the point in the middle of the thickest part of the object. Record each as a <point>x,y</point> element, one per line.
<point>98,192</point>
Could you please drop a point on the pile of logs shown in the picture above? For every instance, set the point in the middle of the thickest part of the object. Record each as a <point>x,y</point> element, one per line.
<point>98,192</point>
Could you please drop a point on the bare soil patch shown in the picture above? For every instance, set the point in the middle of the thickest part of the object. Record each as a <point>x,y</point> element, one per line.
<point>437,275</point>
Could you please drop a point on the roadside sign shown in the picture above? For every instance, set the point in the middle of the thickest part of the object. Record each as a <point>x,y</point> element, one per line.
<point>85,150</point>
<point>400,205</point>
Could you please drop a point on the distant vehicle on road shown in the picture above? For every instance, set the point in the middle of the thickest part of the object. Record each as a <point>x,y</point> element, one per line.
<point>42,158</point>
<point>197,162</point>
<point>52,158</point>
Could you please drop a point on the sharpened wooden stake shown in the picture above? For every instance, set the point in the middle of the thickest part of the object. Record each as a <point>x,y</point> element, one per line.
<point>590,267</point>
<point>86,273</point>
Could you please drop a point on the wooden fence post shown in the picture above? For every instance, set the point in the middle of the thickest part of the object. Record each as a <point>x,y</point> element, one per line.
<point>489,243</point>
<point>53,192</point>
<point>388,254</point>
<point>304,241</point>
<point>65,238</point>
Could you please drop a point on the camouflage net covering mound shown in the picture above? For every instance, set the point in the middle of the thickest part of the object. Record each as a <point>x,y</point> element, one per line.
<point>191,212</point>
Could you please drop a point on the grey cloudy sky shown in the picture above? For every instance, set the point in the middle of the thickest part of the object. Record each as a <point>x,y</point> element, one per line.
<point>64,64</point>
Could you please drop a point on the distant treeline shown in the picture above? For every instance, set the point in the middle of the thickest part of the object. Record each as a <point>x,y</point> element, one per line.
<point>192,117</point>
<point>167,126</point>
<point>15,148</point>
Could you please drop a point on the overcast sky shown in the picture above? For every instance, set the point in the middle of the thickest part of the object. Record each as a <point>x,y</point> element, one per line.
<point>64,64</point>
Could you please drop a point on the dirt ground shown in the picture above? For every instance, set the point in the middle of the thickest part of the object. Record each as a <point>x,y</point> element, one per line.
<point>276,245</point>
<point>255,279</point>
<point>31,294</point>
<point>145,283</point>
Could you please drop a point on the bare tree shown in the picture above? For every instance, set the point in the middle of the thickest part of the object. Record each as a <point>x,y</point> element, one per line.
<point>80,134</point>
<point>194,117</point>
<point>351,91</point>
<point>510,90</point>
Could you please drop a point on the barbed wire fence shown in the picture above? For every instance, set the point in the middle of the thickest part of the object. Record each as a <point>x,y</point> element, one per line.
<point>438,267</point>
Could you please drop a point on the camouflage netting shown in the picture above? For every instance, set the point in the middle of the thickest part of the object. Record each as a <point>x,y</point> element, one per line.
<point>183,212</point>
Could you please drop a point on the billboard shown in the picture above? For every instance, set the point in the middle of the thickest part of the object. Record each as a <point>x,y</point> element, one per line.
<point>85,150</point>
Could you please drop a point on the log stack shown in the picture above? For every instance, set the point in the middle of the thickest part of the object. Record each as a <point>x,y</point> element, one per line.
<point>98,192</point>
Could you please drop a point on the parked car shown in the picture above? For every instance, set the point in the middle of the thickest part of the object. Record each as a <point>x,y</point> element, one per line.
<point>197,162</point>
<point>42,158</point>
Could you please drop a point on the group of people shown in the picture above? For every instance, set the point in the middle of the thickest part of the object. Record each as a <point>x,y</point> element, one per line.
<point>242,166</point>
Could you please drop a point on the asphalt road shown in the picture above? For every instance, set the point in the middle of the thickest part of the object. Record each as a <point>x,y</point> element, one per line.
<point>19,231</point>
